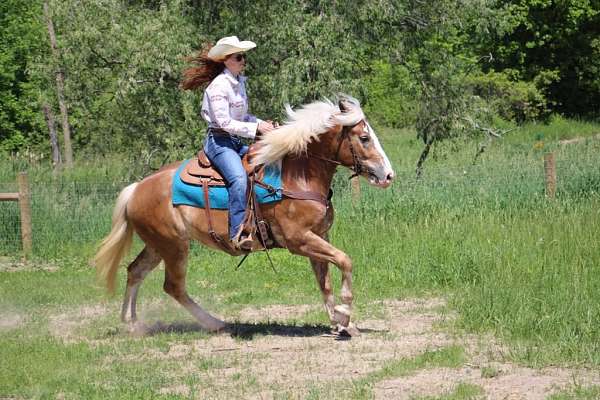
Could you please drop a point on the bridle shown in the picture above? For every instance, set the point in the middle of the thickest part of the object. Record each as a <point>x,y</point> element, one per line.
<point>357,166</point>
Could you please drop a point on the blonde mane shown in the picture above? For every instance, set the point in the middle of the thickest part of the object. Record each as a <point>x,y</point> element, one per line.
<point>305,125</point>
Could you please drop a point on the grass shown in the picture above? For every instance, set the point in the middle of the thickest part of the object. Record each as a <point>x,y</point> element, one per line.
<point>578,393</point>
<point>463,391</point>
<point>449,357</point>
<point>483,234</point>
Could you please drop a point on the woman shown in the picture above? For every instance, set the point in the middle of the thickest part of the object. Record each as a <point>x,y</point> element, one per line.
<point>225,109</point>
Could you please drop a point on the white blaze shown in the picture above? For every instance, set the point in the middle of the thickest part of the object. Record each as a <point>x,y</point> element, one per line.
<point>386,161</point>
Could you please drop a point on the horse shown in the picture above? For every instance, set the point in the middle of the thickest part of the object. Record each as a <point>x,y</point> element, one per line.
<point>308,147</point>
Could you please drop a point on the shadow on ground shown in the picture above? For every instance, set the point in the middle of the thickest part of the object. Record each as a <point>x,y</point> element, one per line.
<point>236,329</point>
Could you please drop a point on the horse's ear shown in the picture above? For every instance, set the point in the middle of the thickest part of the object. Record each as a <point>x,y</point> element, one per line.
<point>343,107</point>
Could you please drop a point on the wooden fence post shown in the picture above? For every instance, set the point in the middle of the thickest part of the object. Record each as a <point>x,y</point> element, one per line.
<point>355,182</point>
<point>25,206</point>
<point>550,172</point>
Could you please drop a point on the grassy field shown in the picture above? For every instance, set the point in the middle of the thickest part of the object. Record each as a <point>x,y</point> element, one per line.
<point>510,263</point>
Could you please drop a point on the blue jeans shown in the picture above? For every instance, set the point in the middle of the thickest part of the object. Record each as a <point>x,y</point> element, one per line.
<point>225,153</point>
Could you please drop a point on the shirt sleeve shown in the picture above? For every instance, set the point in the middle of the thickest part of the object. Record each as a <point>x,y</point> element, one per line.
<point>252,118</point>
<point>219,105</point>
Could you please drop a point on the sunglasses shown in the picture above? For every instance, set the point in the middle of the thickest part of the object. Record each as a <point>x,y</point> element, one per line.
<point>239,57</point>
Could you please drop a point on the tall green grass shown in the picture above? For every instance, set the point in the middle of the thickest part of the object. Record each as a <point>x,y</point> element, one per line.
<point>482,231</point>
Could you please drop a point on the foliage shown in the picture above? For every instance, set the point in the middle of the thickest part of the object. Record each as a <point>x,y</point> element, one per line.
<point>121,65</point>
<point>20,117</point>
<point>391,94</point>
<point>442,61</point>
<point>409,62</point>
<point>516,101</point>
<point>556,44</point>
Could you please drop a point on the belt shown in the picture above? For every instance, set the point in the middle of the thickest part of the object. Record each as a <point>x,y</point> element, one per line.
<point>217,132</point>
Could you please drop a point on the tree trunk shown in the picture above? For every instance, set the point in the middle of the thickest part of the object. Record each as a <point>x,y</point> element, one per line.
<point>56,159</point>
<point>60,84</point>
<point>423,156</point>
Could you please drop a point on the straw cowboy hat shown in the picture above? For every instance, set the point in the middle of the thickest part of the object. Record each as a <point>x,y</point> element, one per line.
<point>229,45</point>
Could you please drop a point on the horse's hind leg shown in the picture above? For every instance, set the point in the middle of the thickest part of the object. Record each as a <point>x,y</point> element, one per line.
<point>145,262</point>
<point>321,270</point>
<point>175,273</point>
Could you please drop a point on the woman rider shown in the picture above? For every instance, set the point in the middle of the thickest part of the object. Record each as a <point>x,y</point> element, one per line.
<point>225,109</point>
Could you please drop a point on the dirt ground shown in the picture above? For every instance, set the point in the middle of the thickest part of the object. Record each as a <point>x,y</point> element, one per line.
<point>269,355</point>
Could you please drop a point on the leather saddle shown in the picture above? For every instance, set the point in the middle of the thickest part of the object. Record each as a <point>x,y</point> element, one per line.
<point>200,170</point>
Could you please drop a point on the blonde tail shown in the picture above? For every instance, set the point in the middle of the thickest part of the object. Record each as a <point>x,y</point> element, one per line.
<point>114,247</point>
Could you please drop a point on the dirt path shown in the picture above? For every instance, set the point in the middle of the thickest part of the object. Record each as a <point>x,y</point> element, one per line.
<point>271,357</point>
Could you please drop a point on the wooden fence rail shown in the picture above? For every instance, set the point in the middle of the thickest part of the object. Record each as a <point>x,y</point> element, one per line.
<point>24,199</point>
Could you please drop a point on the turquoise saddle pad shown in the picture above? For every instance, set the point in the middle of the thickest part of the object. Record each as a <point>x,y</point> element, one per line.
<point>190,195</point>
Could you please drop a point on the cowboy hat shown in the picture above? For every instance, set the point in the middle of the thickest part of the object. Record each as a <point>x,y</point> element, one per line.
<point>229,45</point>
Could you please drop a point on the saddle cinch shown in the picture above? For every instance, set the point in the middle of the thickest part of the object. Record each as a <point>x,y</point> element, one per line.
<point>200,172</point>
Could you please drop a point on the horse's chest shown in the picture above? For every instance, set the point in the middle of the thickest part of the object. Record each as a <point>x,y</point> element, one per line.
<point>327,221</point>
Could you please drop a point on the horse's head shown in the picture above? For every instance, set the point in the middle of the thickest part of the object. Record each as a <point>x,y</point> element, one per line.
<point>358,148</point>
<point>338,134</point>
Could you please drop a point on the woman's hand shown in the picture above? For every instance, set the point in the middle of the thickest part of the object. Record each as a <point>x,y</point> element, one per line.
<point>265,127</point>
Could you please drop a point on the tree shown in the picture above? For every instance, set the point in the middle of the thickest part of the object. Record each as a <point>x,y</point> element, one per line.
<point>21,122</point>
<point>60,87</point>
<point>556,45</point>
<point>121,64</point>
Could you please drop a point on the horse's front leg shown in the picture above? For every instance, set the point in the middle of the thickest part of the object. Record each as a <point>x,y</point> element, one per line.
<point>316,248</point>
<point>321,270</point>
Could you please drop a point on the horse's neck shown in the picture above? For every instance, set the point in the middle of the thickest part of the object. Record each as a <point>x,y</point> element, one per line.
<point>311,171</point>
<point>308,173</point>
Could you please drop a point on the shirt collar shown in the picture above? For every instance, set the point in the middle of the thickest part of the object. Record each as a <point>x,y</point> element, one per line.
<point>232,79</point>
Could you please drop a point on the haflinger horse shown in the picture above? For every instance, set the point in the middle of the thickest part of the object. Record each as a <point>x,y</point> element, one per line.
<point>314,141</point>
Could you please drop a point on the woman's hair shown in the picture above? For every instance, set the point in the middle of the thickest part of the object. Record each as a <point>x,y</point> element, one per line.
<point>202,71</point>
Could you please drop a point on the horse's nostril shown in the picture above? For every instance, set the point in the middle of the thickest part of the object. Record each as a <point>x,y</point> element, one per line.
<point>390,176</point>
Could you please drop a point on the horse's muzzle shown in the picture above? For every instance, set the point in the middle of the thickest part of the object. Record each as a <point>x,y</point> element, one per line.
<point>381,179</point>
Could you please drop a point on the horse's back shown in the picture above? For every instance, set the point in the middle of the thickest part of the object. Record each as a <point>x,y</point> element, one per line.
<point>150,207</point>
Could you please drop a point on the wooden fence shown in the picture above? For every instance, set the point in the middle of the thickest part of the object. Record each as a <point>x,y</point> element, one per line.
<point>23,196</point>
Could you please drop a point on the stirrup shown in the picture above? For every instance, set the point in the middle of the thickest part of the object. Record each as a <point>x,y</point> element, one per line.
<point>243,243</point>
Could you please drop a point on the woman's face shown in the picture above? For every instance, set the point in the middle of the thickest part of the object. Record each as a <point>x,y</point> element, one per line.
<point>236,63</point>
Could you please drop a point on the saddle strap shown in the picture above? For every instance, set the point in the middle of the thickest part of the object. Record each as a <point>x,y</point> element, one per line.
<point>298,195</point>
<point>306,195</point>
<point>261,224</point>
<point>213,235</point>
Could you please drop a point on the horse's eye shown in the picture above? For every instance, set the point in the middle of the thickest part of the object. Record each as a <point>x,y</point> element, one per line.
<point>364,139</point>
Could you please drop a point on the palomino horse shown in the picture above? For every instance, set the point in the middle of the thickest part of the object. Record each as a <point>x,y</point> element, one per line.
<point>310,145</point>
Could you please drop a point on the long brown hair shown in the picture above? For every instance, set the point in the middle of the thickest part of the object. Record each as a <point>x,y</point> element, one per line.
<point>202,71</point>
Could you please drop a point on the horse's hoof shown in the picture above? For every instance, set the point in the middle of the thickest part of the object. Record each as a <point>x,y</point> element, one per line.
<point>138,328</point>
<point>347,332</point>
<point>341,313</point>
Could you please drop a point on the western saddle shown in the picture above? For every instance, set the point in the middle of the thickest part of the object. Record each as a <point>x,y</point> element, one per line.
<point>200,172</point>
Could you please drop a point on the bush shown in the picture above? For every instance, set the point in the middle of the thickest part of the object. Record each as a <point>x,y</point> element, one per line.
<point>513,101</point>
